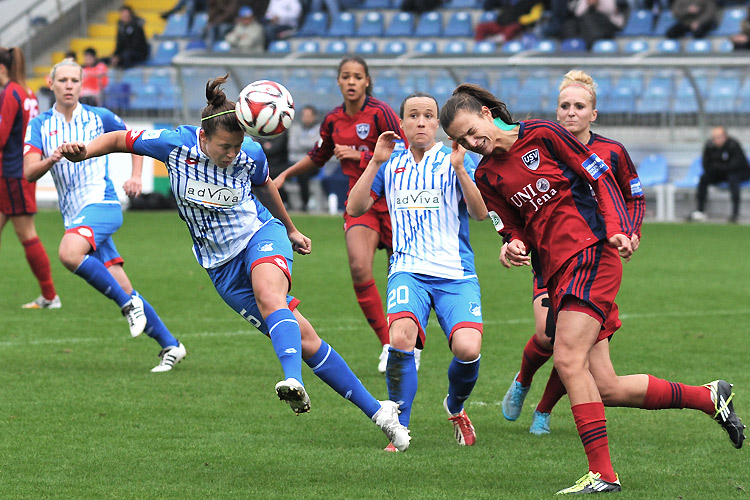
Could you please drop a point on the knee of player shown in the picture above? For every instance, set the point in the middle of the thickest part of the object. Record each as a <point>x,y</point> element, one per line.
<point>403,334</point>
<point>466,344</point>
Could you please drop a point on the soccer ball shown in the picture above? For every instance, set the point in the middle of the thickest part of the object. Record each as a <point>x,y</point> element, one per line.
<point>265,109</point>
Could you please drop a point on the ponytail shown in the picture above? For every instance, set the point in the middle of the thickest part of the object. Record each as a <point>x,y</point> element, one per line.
<point>14,60</point>
<point>220,110</point>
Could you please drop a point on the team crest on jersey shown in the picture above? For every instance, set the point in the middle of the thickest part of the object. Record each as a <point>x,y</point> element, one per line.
<point>151,134</point>
<point>475,309</point>
<point>265,247</point>
<point>363,130</point>
<point>496,220</point>
<point>531,159</point>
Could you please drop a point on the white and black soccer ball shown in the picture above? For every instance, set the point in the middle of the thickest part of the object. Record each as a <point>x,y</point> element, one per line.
<point>265,109</point>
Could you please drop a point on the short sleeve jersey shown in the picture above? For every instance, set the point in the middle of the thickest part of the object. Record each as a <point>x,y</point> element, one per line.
<point>359,131</point>
<point>78,184</point>
<point>17,107</point>
<point>216,203</point>
<point>616,156</point>
<point>540,191</point>
<point>429,217</point>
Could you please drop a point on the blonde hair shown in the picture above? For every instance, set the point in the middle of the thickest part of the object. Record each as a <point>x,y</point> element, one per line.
<point>578,78</point>
<point>65,62</point>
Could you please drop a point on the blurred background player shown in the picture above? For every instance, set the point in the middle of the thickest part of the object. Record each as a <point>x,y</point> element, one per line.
<point>18,105</point>
<point>350,132</point>
<point>303,132</point>
<point>89,205</point>
<point>558,205</point>
<point>131,46</point>
<point>433,263</point>
<point>576,111</point>
<point>245,243</point>
<point>95,78</point>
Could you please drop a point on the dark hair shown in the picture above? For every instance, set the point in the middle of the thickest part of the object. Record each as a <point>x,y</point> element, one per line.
<point>413,95</point>
<point>311,108</point>
<point>13,59</point>
<point>470,97</point>
<point>91,51</point>
<point>217,103</point>
<point>359,60</point>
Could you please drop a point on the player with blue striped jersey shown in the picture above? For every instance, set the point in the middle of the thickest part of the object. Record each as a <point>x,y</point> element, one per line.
<point>89,205</point>
<point>430,193</point>
<point>245,239</point>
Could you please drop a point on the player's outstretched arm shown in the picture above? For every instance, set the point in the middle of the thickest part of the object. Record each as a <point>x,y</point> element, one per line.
<point>111,142</point>
<point>359,201</point>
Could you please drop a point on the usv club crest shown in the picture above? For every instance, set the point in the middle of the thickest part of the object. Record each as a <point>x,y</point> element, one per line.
<point>363,130</point>
<point>531,159</point>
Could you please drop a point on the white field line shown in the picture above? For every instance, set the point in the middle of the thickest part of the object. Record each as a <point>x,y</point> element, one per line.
<point>348,324</point>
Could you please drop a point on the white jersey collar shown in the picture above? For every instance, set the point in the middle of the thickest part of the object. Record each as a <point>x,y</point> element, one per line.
<point>76,112</point>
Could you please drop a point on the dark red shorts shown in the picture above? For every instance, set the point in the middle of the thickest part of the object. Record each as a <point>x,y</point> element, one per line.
<point>17,196</point>
<point>539,288</point>
<point>380,222</point>
<point>592,276</point>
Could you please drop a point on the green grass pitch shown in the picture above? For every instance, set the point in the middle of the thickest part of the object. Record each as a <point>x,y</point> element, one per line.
<point>81,416</point>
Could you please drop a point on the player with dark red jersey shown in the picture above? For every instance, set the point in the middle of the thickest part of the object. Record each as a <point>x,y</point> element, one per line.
<point>350,132</point>
<point>576,111</point>
<point>538,179</point>
<point>18,105</point>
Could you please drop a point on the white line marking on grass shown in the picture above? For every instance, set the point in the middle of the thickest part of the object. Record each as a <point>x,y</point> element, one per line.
<point>84,340</point>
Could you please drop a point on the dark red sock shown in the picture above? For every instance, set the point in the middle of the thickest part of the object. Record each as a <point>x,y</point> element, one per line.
<point>663,394</point>
<point>534,356</point>
<point>592,427</point>
<point>552,393</point>
<point>369,300</point>
<point>39,263</point>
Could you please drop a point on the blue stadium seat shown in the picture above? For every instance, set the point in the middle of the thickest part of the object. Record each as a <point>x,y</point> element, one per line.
<point>315,24</point>
<point>169,98</point>
<point>279,47</point>
<point>478,78</point>
<point>134,77</point>
<point>663,23</point>
<point>692,176</point>
<point>463,4</point>
<point>538,85</point>
<point>394,48</point>
<point>656,99</point>
<point>164,52</point>
<point>685,98</point>
<point>371,25</point>
<point>176,26</point>
<point>668,46</point>
<point>376,4</point>
<point>430,24</point>
<point>633,81</point>
<point>653,170</point>
<point>640,23</point>
<point>200,20</point>
<point>425,47</point>
<point>459,25</point>
<point>308,47</point>
<point>512,47</point>
<point>619,100</point>
<point>117,95</point>
<point>731,21</point>
<point>573,45</point>
<point>722,98</point>
<point>635,46</point>
<point>161,77</point>
<point>484,47</point>
<point>196,44</point>
<point>144,97</point>
<point>342,25</point>
<point>487,16</point>
<point>506,86</point>
<point>546,46</point>
<point>698,46</point>
<point>401,25</point>
<point>724,45</point>
<point>455,47</point>
<point>221,46</point>
<point>605,47</point>
<point>366,47</point>
<point>336,47</point>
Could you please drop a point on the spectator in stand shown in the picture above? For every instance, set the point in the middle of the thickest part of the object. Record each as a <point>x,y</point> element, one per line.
<point>131,48</point>
<point>191,7</point>
<point>71,54</point>
<point>247,35</point>
<point>221,16</point>
<point>282,19</point>
<point>301,134</point>
<point>420,6</point>
<point>723,161</point>
<point>741,40</point>
<point>277,155</point>
<point>695,17</point>
<point>510,21</point>
<point>94,78</point>
<point>594,20</point>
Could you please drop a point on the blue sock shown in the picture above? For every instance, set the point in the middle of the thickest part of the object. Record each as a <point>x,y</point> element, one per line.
<point>155,327</point>
<point>331,368</point>
<point>286,338</point>
<point>401,377</point>
<point>96,274</point>
<point>462,376</point>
